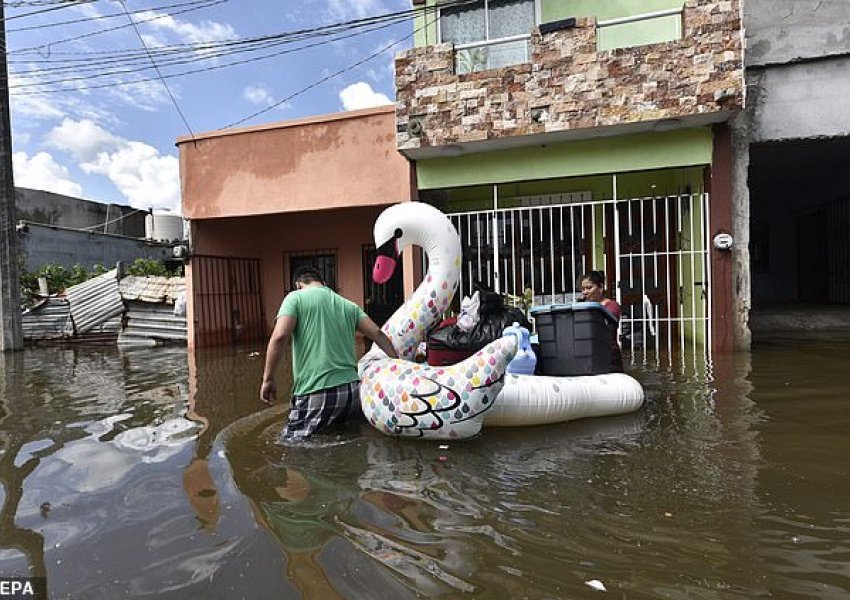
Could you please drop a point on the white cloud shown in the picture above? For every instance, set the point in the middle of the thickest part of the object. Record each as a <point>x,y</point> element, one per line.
<point>42,172</point>
<point>347,9</point>
<point>143,175</point>
<point>34,107</point>
<point>361,95</point>
<point>192,33</point>
<point>259,95</point>
<point>84,140</point>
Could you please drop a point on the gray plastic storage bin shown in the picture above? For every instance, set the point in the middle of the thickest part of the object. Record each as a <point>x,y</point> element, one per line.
<point>575,339</point>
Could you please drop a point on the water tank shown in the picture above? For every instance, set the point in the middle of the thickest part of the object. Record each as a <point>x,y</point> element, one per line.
<point>163,228</point>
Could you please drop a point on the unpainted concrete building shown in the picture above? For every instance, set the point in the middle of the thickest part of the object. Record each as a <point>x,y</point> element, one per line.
<point>798,126</point>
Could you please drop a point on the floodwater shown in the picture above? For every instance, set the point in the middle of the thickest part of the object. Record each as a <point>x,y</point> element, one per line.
<point>147,473</point>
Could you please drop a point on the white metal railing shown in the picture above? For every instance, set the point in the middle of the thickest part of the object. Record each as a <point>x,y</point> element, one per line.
<point>491,54</point>
<point>607,30</point>
<point>656,248</point>
<point>669,12</point>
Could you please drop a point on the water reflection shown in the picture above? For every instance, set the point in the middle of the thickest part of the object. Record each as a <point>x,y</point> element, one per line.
<point>147,472</point>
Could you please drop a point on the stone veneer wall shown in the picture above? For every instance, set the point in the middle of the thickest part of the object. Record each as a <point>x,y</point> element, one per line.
<point>580,87</point>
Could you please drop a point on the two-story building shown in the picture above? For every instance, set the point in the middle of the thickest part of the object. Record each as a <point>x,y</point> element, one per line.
<point>570,135</point>
<point>561,136</point>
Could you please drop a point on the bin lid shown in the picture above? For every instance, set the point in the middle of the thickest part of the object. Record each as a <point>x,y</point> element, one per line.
<point>548,309</point>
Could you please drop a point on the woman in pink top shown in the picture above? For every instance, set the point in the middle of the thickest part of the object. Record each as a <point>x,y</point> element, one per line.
<point>592,290</point>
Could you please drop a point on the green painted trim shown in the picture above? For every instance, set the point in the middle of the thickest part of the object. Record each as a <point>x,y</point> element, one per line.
<point>627,35</point>
<point>554,10</point>
<point>639,152</point>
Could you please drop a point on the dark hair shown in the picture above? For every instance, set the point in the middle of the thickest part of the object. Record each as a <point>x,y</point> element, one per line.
<point>307,274</point>
<point>594,277</point>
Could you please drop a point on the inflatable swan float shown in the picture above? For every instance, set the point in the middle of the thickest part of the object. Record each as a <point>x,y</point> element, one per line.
<point>400,397</point>
<point>403,398</point>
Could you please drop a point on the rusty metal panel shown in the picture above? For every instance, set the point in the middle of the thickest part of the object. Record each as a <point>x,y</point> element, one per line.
<point>48,320</point>
<point>152,289</point>
<point>95,301</point>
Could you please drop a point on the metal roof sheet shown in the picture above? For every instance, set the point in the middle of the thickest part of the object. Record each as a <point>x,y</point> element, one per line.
<point>95,301</point>
<point>152,289</point>
<point>50,319</point>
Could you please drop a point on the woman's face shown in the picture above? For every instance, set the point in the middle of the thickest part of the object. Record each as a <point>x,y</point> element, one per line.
<point>591,291</point>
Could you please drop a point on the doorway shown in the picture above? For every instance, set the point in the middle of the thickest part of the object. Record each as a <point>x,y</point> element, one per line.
<point>380,301</point>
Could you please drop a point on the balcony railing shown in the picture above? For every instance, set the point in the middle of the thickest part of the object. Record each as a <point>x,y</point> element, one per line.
<point>637,30</point>
<point>492,54</point>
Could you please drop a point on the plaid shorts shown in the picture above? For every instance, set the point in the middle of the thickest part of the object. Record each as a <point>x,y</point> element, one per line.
<point>311,413</point>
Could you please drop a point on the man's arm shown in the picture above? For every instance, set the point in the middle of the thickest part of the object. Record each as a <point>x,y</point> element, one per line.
<point>367,327</point>
<point>281,335</point>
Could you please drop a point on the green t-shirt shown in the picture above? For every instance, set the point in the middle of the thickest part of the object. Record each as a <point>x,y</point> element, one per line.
<point>323,340</point>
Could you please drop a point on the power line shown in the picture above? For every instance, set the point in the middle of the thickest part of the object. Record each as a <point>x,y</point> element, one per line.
<point>346,26</point>
<point>207,48</point>
<point>199,4</point>
<point>331,76</point>
<point>59,6</point>
<point>101,17</point>
<point>189,72</point>
<point>97,68</point>
<point>164,84</point>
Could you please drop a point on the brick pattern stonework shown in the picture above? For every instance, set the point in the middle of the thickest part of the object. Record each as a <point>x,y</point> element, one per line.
<point>578,86</point>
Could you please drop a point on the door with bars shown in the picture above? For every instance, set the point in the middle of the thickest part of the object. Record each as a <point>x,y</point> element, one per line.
<point>654,252</point>
<point>228,300</point>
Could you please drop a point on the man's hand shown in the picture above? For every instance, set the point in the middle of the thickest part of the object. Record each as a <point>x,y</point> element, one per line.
<point>268,391</point>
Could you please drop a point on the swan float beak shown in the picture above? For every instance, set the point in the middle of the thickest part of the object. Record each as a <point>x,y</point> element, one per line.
<point>386,259</point>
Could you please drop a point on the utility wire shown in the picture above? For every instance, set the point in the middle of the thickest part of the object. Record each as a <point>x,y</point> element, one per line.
<point>59,6</point>
<point>102,17</point>
<point>98,69</point>
<point>164,83</point>
<point>273,39</point>
<point>204,45</point>
<point>48,46</point>
<point>183,73</point>
<point>332,75</point>
<point>207,48</point>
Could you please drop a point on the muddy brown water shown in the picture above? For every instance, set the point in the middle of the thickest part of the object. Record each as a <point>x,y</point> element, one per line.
<point>150,473</point>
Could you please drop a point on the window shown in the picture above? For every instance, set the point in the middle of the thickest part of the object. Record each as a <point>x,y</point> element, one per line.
<point>488,34</point>
<point>323,260</point>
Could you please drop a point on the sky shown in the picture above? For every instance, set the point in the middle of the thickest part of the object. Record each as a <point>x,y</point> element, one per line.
<point>91,118</point>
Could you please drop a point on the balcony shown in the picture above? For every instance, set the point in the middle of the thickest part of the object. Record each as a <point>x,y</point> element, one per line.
<point>563,84</point>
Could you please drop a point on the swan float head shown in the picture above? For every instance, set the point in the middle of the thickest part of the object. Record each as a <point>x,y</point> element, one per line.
<point>403,398</point>
<point>417,224</point>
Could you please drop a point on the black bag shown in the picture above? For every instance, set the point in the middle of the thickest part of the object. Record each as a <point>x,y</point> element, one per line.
<point>489,328</point>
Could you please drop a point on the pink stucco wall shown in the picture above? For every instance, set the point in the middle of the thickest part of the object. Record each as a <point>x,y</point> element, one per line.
<point>270,237</point>
<point>333,161</point>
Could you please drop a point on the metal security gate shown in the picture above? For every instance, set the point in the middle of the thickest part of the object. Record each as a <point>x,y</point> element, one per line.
<point>654,252</point>
<point>228,300</point>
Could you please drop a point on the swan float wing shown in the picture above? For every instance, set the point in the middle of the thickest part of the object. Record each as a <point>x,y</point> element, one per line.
<point>407,399</point>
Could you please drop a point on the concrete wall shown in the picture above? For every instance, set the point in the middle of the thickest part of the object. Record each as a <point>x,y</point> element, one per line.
<point>342,160</point>
<point>781,31</point>
<point>65,211</point>
<point>802,100</point>
<point>42,244</point>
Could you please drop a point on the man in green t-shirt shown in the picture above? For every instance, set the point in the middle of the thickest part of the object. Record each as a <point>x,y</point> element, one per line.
<point>321,324</point>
